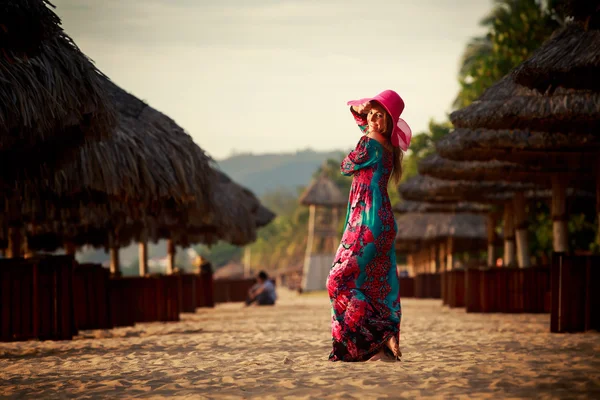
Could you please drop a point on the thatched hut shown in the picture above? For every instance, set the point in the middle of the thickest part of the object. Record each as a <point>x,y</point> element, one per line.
<point>511,195</point>
<point>25,25</point>
<point>324,200</point>
<point>567,149</point>
<point>570,58</point>
<point>507,105</point>
<point>407,206</point>
<point>431,239</point>
<point>50,105</point>
<point>149,166</point>
<point>494,170</point>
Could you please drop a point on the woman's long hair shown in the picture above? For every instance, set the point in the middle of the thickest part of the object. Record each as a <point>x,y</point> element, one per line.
<point>398,154</point>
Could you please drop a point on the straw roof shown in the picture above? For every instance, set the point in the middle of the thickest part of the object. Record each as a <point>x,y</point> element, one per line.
<point>148,160</point>
<point>235,217</point>
<point>570,58</point>
<point>263,216</point>
<point>50,105</point>
<point>420,188</point>
<point>507,105</point>
<point>25,24</point>
<point>407,206</point>
<point>468,231</point>
<point>323,192</point>
<point>517,146</point>
<point>436,190</point>
<point>494,170</point>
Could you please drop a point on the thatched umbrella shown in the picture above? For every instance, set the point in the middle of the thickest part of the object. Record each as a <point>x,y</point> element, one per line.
<point>570,58</point>
<point>437,236</point>
<point>507,105</point>
<point>234,219</point>
<point>149,165</point>
<point>520,146</point>
<point>50,105</point>
<point>494,170</point>
<point>25,25</point>
<point>407,206</point>
<point>148,162</point>
<point>421,188</point>
<point>323,192</point>
<point>512,195</point>
<point>324,200</point>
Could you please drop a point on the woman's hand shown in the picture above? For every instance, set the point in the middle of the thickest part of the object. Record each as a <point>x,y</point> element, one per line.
<point>363,108</point>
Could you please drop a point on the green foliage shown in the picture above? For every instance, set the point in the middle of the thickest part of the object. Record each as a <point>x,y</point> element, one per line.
<point>515,29</point>
<point>422,145</point>
<point>220,253</point>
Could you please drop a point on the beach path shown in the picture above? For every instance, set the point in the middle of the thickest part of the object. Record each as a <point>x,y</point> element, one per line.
<point>233,351</point>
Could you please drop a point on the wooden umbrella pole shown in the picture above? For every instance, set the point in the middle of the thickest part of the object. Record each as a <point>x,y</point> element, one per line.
<point>115,267</point>
<point>509,235</point>
<point>15,242</point>
<point>560,237</point>
<point>598,202</point>
<point>449,254</point>
<point>491,239</point>
<point>170,256</point>
<point>70,248</point>
<point>143,257</point>
<point>521,233</point>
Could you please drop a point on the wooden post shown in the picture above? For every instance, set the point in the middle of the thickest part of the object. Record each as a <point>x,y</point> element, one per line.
<point>334,233</point>
<point>560,238</point>
<point>449,254</point>
<point>509,235</point>
<point>115,267</point>
<point>311,229</point>
<point>520,216</point>
<point>247,259</point>
<point>143,258</point>
<point>170,257</point>
<point>15,242</point>
<point>436,257</point>
<point>491,239</point>
<point>598,202</point>
<point>441,250</point>
<point>70,248</point>
<point>410,264</point>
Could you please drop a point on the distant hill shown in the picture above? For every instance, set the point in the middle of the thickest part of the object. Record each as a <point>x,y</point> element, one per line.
<point>264,172</point>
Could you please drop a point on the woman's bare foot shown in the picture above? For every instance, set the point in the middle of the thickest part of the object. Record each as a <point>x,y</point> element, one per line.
<point>394,347</point>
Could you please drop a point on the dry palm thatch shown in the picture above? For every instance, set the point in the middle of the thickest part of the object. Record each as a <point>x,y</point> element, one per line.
<point>434,190</point>
<point>408,206</point>
<point>468,231</point>
<point>494,170</point>
<point>263,216</point>
<point>507,105</point>
<point>424,188</point>
<point>323,192</point>
<point>148,161</point>
<point>521,146</point>
<point>50,105</point>
<point>25,24</point>
<point>570,58</point>
<point>234,219</point>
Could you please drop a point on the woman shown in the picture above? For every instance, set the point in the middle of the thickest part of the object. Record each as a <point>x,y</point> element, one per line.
<point>363,282</point>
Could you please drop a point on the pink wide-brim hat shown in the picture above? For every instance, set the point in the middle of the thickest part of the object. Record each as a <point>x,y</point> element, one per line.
<point>394,105</point>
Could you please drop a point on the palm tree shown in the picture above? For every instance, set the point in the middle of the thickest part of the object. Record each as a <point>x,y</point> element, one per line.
<point>515,29</point>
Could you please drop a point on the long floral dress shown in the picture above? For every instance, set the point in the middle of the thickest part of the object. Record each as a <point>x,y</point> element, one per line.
<point>363,282</point>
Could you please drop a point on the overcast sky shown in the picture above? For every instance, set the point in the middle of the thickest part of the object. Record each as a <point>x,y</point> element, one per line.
<point>266,76</point>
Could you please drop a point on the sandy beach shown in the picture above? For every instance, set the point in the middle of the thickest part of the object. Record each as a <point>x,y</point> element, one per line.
<point>281,352</point>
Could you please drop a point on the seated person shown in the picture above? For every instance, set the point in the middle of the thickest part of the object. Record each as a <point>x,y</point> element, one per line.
<point>263,292</point>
